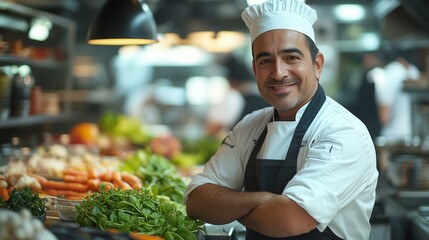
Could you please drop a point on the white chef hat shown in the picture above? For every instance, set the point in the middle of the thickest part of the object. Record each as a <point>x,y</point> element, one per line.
<point>280,14</point>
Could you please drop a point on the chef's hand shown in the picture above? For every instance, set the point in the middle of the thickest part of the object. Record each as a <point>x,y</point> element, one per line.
<point>279,217</point>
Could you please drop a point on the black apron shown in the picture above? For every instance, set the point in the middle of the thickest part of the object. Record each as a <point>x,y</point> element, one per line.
<point>273,175</point>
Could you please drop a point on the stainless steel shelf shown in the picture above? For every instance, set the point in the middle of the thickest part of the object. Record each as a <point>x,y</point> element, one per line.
<point>33,120</point>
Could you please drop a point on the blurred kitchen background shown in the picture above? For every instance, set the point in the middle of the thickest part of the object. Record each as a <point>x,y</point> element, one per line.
<point>171,85</point>
<point>186,65</point>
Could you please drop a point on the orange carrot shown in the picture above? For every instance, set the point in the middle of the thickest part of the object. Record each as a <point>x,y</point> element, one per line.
<point>76,179</point>
<point>133,180</point>
<point>93,184</point>
<point>65,193</point>
<point>66,186</point>
<point>4,194</point>
<point>125,186</point>
<point>77,196</point>
<point>139,236</point>
<point>72,171</point>
<point>93,173</point>
<point>106,176</point>
<point>116,178</point>
<point>106,185</point>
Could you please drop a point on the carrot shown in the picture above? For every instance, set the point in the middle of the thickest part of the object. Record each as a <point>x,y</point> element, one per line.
<point>116,178</point>
<point>93,174</point>
<point>133,180</point>
<point>106,176</point>
<point>72,171</point>
<point>76,197</point>
<point>106,185</point>
<point>4,194</point>
<point>125,186</point>
<point>66,186</point>
<point>93,184</point>
<point>139,236</point>
<point>75,179</point>
<point>65,193</point>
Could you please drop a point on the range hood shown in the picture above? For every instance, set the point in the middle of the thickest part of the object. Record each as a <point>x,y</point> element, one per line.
<point>404,23</point>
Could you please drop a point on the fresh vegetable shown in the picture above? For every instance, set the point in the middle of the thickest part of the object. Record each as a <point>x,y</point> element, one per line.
<point>137,211</point>
<point>59,185</point>
<point>204,147</point>
<point>4,194</point>
<point>25,198</point>
<point>132,180</point>
<point>84,133</point>
<point>155,170</point>
<point>20,225</point>
<point>123,126</point>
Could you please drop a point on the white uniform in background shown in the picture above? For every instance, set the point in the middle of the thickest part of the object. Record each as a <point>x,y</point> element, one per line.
<point>336,166</point>
<point>391,94</point>
<point>227,111</point>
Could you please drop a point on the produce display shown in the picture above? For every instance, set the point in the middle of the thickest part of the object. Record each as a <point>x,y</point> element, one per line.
<point>113,177</point>
<point>136,211</point>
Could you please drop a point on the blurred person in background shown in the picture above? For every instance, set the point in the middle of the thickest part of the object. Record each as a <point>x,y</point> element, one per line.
<point>394,103</point>
<point>242,98</point>
<point>367,105</point>
<point>303,169</point>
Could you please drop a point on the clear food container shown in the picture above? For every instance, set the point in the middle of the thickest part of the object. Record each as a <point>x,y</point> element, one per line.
<point>66,208</point>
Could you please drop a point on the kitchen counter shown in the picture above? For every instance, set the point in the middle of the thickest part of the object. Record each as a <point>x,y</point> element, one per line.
<point>401,209</point>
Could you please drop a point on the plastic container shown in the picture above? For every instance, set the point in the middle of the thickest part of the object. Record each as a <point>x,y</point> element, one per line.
<point>65,208</point>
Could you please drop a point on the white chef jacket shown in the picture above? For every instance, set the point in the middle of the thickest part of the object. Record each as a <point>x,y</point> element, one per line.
<point>336,167</point>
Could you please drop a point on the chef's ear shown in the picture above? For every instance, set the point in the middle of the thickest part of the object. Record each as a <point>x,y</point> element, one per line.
<point>318,64</point>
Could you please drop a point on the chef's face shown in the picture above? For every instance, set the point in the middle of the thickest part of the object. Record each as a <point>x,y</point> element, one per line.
<point>287,77</point>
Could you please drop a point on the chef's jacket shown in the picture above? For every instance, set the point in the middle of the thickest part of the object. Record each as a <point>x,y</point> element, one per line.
<point>336,166</point>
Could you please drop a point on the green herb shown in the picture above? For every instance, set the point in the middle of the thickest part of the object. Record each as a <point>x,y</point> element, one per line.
<point>156,171</point>
<point>25,198</point>
<point>137,211</point>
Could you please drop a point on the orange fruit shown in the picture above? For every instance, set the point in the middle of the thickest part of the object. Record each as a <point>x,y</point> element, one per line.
<point>84,133</point>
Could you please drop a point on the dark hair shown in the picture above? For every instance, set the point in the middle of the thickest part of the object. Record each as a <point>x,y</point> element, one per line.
<point>314,50</point>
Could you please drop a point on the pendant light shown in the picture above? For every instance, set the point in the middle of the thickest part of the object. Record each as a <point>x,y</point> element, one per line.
<point>123,22</point>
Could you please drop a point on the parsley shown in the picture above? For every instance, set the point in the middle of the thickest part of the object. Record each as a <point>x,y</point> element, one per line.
<point>25,198</point>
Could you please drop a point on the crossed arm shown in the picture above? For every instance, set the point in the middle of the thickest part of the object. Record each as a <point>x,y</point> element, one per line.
<point>267,213</point>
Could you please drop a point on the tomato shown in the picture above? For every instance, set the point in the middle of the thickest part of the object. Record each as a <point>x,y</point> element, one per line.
<point>84,133</point>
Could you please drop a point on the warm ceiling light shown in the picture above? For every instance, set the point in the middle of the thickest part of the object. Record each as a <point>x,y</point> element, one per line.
<point>123,22</point>
<point>223,41</point>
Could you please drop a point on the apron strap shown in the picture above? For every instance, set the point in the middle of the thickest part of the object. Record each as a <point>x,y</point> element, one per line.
<point>292,155</point>
<point>250,181</point>
<point>305,121</point>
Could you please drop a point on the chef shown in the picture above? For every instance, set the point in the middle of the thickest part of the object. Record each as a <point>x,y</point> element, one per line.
<point>304,168</point>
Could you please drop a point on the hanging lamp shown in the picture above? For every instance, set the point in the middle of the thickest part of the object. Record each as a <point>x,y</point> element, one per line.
<point>123,22</point>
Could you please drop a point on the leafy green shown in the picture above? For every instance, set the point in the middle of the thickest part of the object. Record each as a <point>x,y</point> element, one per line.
<point>123,126</point>
<point>204,147</point>
<point>25,198</point>
<point>155,170</point>
<point>140,211</point>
